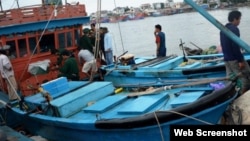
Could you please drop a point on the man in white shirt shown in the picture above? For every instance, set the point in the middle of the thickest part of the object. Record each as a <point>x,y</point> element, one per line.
<point>7,74</point>
<point>89,62</point>
<point>108,46</point>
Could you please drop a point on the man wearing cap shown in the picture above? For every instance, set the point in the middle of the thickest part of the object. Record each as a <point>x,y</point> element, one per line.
<point>85,42</point>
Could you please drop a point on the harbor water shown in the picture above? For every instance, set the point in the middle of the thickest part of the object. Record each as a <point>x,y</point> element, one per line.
<point>137,36</point>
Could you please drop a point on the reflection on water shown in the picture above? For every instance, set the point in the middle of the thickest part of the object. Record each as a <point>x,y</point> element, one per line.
<point>137,36</point>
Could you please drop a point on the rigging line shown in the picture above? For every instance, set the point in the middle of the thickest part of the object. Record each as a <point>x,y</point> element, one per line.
<point>40,38</point>
<point>97,30</point>
<point>184,115</point>
<point>159,125</point>
<point>12,5</point>
<point>120,31</point>
<point>97,36</point>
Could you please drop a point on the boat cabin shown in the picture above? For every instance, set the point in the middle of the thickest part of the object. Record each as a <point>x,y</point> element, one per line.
<point>29,34</point>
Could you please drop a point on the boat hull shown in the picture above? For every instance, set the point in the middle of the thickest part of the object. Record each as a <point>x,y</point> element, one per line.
<point>125,119</point>
<point>158,71</point>
<point>63,129</point>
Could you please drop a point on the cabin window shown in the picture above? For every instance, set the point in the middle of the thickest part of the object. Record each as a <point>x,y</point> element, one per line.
<point>22,47</point>
<point>11,53</point>
<point>32,45</point>
<point>69,39</point>
<point>47,43</point>
<point>61,39</point>
<point>77,36</point>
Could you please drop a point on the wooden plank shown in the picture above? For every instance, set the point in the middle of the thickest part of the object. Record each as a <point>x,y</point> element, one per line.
<point>143,104</point>
<point>186,98</point>
<point>39,99</point>
<point>105,104</point>
<point>73,102</point>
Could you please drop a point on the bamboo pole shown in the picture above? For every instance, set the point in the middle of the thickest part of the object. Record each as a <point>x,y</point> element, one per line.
<point>169,87</point>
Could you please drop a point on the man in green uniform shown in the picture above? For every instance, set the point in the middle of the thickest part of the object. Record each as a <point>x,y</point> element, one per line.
<point>70,66</point>
<point>85,41</point>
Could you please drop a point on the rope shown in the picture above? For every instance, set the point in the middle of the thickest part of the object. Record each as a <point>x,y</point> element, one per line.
<point>159,125</point>
<point>187,116</point>
<point>97,37</point>
<point>174,112</point>
<point>3,115</point>
<point>12,87</point>
<point>52,13</point>
<point>123,50</point>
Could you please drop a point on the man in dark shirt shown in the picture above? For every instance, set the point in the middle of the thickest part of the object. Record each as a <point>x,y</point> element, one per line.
<point>70,66</point>
<point>233,57</point>
<point>85,41</point>
<point>160,41</point>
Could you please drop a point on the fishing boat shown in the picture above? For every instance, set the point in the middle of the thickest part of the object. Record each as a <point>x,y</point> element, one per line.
<point>80,110</point>
<point>31,33</point>
<point>151,71</point>
<point>130,70</point>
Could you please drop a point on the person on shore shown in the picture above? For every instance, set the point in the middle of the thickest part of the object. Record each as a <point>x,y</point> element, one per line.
<point>108,46</point>
<point>233,57</point>
<point>7,74</point>
<point>69,68</point>
<point>160,41</point>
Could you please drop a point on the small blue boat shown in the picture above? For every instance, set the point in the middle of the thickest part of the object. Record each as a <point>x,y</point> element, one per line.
<point>152,71</point>
<point>79,110</point>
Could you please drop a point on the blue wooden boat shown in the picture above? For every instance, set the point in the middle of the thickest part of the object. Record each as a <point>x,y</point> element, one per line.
<point>152,71</point>
<point>80,110</point>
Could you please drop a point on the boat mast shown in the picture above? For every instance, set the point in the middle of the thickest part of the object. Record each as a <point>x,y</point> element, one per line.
<point>210,18</point>
<point>1,5</point>
<point>17,2</point>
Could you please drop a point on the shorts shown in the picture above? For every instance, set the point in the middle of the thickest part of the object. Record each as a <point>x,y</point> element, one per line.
<point>89,65</point>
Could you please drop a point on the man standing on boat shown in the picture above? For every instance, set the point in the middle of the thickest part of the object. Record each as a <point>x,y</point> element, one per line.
<point>85,41</point>
<point>88,62</point>
<point>233,57</point>
<point>7,74</point>
<point>108,46</point>
<point>160,41</point>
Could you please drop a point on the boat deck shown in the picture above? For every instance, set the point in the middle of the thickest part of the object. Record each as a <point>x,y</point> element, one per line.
<point>91,101</point>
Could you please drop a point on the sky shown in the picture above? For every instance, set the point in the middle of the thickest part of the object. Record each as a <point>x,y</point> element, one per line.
<point>91,5</point>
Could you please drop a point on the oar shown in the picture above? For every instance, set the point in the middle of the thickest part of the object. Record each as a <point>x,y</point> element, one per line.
<point>19,99</point>
<point>157,90</point>
<point>195,45</point>
<point>164,82</point>
<point>12,87</point>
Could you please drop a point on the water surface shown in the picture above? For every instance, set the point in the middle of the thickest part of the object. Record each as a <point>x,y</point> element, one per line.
<point>137,36</point>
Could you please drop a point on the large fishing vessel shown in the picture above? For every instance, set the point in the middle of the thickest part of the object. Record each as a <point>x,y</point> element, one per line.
<point>30,33</point>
